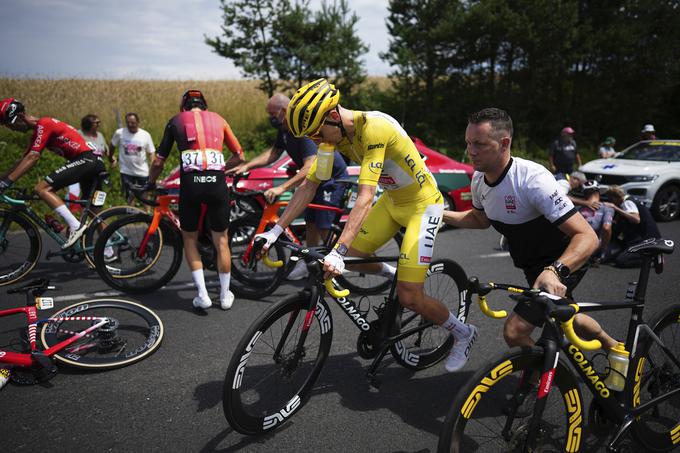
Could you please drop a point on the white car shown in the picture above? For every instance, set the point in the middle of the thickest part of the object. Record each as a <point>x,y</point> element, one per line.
<point>648,170</point>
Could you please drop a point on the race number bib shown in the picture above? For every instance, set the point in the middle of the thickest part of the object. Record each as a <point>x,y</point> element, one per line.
<point>196,160</point>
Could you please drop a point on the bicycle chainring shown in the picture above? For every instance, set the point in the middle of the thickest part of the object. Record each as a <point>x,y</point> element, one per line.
<point>73,257</point>
<point>368,343</point>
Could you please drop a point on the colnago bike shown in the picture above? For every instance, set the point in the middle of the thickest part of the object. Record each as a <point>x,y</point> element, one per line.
<point>95,334</point>
<point>20,232</point>
<point>275,365</point>
<point>259,281</point>
<point>503,410</point>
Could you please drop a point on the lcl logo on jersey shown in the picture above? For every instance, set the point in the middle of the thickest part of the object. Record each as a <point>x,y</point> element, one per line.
<point>510,203</point>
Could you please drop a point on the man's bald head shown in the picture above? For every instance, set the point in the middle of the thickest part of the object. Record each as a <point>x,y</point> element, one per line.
<point>277,102</point>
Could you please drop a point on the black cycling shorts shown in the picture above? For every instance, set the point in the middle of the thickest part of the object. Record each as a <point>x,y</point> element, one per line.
<point>532,312</point>
<point>209,188</point>
<point>83,169</point>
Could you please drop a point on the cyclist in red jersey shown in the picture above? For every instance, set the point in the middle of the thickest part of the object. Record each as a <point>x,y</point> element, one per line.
<point>83,165</point>
<point>199,135</point>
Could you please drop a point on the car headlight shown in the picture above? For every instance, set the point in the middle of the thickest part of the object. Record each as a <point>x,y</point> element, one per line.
<point>643,178</point>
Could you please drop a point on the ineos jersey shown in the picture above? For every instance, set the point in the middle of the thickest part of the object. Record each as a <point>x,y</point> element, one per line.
<point>58,137</point>
<point>526,205</point>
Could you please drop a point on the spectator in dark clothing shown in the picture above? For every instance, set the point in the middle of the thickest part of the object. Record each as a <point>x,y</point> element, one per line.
<point>633,222</point>
<point>563,154</point>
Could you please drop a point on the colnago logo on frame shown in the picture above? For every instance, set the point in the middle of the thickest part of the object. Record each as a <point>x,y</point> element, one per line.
<point>353,313</point>
<point>272,420</point>
<point>244,359</point>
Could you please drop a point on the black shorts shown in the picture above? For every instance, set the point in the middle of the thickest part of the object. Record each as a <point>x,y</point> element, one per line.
<point>532,313</point>
<point>209,188</point>
<point>127,181</point>
<point>329,195</point>
<point>83,169</point>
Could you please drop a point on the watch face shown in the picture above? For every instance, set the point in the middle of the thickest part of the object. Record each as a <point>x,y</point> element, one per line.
<point>342,249</point>
<point>562,270</point>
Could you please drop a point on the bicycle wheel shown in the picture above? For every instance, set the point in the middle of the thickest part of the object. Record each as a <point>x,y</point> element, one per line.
<point>477,419</point>
<point>260,281</point>
<point>446,281</point>
<point>652,373</point>
<point>265,383</point>
<point>363,284</point>
<point>143,264</point>
<point>97,225</point>
<point>132,332</point>
<point>20,246</point>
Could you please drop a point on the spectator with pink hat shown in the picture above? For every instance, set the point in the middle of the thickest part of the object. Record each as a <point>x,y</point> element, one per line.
<point>563,154</point>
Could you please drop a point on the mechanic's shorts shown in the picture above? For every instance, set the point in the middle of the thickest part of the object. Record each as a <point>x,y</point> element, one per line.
<point>83,169</point>
<point>421,220</point>
<point>532,312</point>
<point>209,188</point>
<point>329,195</point>
<point>127,181</point>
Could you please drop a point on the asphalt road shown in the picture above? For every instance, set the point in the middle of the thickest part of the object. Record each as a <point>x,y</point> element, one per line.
<point>172,401</point>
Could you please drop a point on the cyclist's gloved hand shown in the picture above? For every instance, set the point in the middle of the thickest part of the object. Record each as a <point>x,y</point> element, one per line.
<point>5,183</point>
<point>333,264</point>
<point>270,236</point>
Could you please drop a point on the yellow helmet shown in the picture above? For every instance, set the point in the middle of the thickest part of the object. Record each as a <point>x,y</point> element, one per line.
<point>309,105</point>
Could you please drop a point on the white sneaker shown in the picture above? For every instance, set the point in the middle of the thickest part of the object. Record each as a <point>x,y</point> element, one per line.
<point>200,302</point>
<point>228,301</point>
<point>73,236</point>
<point>460,352</point>
<point>299,271</point>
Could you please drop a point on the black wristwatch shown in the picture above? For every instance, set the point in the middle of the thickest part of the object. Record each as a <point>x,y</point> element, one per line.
<point>562,270</point>
<point>341,249</point>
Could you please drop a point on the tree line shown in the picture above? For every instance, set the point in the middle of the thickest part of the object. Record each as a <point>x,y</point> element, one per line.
<point>603,67</point>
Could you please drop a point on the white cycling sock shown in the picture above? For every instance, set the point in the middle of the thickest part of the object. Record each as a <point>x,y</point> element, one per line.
<point>224,284</point>
<point>456,326</point>
<point>68,217</point>
<point>387,271</point>
<point>199,281</point>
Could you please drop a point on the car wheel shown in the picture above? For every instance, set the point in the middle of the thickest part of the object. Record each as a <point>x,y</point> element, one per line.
<point>449,205</point>
<point>666,206</point>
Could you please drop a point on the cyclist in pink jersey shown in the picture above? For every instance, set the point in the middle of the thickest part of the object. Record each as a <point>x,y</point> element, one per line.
<point>199,135</point>
<point>83,164</point>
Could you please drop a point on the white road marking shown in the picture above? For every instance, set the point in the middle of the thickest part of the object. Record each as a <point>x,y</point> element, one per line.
<point>112,293</point>
<point>495,255</point>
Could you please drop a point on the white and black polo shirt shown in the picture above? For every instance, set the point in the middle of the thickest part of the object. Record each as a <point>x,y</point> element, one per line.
<point>526,205</point>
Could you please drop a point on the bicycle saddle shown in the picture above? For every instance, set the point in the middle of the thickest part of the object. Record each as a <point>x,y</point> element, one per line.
<point>652,247</point>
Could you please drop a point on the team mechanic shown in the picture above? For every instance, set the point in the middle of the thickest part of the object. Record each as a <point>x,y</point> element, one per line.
<point>548,238</point>
<point>199,135</point>
<point>412,200</point>
<point>83,165</point>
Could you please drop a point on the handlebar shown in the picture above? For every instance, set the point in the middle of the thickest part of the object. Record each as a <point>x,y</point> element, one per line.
<point>138,192</point>
<point>551,303</point>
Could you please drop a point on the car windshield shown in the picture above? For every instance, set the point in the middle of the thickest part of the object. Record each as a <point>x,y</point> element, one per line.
<point>659,151</point>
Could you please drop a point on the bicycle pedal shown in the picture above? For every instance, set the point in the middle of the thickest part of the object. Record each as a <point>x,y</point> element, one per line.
<point>374,382</point>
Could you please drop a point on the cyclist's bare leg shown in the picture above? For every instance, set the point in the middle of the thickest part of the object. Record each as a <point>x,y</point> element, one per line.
<point>517,331</point>
<point>586,327</point>
<point>412,296</point>
<point>193,258</point>
<point>314,235</point>
<point>368,268</point>
<point>46,193</point>
<point>221,241</point>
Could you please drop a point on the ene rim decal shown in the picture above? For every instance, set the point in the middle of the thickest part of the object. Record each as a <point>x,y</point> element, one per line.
<point>487,382</point>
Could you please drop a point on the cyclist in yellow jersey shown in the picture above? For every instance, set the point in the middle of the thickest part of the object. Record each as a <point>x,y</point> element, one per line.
<point>411,200</point>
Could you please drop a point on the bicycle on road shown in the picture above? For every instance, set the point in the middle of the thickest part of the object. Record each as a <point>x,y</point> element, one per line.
<point>502,410</point>
<point>97,334</point>
<point>275,365</point>
<point>21,241</point>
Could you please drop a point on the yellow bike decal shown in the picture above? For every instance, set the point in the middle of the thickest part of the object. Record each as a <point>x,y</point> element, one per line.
<point>573,404</point>
<point>488,381</point>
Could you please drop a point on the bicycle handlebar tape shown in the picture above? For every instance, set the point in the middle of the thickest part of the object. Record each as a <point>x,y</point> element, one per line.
<point>489,312</point>
<point>335,293</point>
<point>269,263</point>
<point>586,345</point>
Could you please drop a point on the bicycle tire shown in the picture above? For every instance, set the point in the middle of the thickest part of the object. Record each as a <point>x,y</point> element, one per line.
<point>446,281</point>
<point>253,403</point>
<point>479,407</point>
<point>652,373</point>
<point>139,332</point>
<point>18,259</point>
<point>132,273</point>
<point>364,284</point>
<point>260,281</point>
<point>103,218</point>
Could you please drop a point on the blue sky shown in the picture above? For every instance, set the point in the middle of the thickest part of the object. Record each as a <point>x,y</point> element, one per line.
<point>151,39</point>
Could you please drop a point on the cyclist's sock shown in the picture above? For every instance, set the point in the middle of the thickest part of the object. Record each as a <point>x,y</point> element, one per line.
<point>199,281</point>
<point>387,271</point>
<point>457,327</point>
<point>225,278</point>
<point>68,217</point>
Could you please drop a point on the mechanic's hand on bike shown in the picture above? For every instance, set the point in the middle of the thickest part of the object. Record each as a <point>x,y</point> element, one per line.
<point>239,169</point>
<point>5,183</point>
<point>271,194</point>
<point>333,264</point>
<point>270,237</point>
<point>549,282</point>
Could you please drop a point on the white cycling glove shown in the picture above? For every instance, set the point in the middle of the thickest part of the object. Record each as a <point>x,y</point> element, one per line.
<point>271,236</point>
<point>335,260</point>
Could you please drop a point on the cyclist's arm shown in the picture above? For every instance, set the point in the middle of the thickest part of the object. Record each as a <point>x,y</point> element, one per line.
<point>163,151</point>
<point>300,176</point>
<point>358,214</point>
<point>473,219</point>
<point>24,165</point>
<point>301,198</point>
